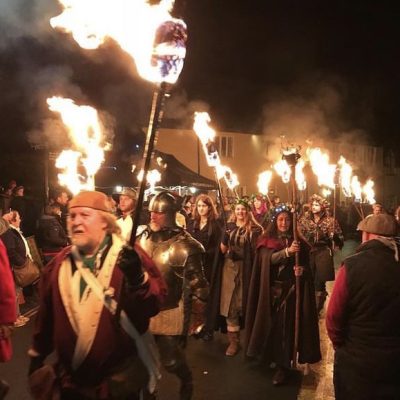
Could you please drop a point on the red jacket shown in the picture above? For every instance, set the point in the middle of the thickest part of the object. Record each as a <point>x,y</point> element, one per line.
<point>7,301</point>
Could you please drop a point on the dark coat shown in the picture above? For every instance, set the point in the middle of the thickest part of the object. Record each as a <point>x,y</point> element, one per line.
<point>50,234</point>
<point>269,328</point>
<point>214,319</point>
<point>15,246</point>
<point>210,237</point>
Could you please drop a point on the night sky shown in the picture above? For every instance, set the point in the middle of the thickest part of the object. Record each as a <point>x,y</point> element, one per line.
<point>324,69</point>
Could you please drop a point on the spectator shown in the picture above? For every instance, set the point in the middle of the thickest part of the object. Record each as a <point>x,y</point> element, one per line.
<point>18,251</point>
<point>362,320</point>
<point>61,198</point>
<point>7,307</point>
<point>126,204</point>
<point>51,236</point>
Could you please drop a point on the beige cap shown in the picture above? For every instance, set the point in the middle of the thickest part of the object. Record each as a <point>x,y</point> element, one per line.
<point>379,224</point>
<point>90,199</point>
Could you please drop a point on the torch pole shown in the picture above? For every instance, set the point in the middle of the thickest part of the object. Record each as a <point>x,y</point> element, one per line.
<point>221,199</point>
<point>154,122</point>
<point>296,265</point>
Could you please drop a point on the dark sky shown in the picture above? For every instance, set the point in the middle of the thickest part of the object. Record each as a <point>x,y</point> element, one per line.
<point>257,66</point>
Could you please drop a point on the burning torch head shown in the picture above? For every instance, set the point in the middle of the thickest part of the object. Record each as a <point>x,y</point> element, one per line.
<point>170,49</point>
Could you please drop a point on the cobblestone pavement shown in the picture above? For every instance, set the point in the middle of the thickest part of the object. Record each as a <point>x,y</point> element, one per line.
<point>317,384</point>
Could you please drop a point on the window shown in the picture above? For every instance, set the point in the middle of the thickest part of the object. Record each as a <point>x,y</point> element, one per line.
<point>225,146</point>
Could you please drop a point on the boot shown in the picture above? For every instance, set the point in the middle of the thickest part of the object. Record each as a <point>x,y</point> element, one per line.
<point>184,373</point>
<point>279,377</point>
<point>4,388</point>
<point>320,298</point>
<point>234,344</point>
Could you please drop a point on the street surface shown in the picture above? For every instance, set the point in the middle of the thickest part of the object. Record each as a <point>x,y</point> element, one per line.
<point>215,375</point>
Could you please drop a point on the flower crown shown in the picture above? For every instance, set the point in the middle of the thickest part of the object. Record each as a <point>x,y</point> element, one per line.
<point>274,211</point>
<point>243,201</point>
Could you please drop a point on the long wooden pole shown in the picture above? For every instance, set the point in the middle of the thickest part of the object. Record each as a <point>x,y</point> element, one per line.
<point>296,269</point>
<point>154,122</point>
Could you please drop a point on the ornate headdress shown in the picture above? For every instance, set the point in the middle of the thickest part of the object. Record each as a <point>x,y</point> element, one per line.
<point>244,201</point>
<point>320,200</point>
<point>280,208</point>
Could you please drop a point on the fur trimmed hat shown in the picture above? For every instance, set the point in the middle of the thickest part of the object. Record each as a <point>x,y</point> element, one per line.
<point>91,199</point>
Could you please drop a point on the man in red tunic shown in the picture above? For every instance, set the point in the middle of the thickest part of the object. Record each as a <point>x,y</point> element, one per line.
<point>83,292</point>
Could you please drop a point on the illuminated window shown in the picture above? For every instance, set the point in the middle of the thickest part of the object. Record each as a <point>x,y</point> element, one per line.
<point>225,146</point>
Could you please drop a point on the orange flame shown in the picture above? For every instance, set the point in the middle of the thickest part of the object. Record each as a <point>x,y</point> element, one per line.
<point>324,171</point>
<point>283,170</point>
<point>148,33</point>
<point>85,130</point>
<point>369,191</point>
<point>263,182</point>
<point>206,134</point>
<point>300,177</point>
<point>345,176</point>
<point>153,176</point>
<point>356,188</point>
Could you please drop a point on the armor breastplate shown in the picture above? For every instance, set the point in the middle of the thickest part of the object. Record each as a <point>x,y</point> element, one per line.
<point>170,257</point>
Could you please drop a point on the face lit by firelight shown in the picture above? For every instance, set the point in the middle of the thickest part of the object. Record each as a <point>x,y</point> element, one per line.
<point>240,213</point>
<point>283,222</point>
<point>315,207</point>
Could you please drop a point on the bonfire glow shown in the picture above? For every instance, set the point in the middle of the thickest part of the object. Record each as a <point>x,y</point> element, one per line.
<point>148,33</point>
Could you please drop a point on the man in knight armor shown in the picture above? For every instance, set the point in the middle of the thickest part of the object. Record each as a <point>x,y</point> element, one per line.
<point>322,233</point>
<point>179,258</point>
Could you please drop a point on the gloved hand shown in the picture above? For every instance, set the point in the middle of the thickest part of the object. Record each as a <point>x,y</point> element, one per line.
<point>131,266</point>
<point>36,363</point>
<point>197,318</point>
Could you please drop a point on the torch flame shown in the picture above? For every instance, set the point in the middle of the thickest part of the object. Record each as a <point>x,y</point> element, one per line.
<point>324,171</point>
<point>369,191</point>
<point>345,176</point>
<point>356,188</point>
<point>85,131</point>
<point>206,134</point>
<point>231,179</point>
<point>263,182</point>
<point>283,170</point>
<point>152,178</point>
<point>300,177</point>
<point>148,33</point>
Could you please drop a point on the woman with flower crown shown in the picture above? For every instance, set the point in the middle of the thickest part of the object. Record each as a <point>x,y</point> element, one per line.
<point>270,312</point>
<point>238,247</point>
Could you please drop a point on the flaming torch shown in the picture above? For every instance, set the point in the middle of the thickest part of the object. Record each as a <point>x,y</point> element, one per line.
<point>149,34</point>
<point>263,182</point>
<point>85,130</point>
<point>357,191</point>
<point>369,191</point>
<point>206,135</point>
<point>291,156</point>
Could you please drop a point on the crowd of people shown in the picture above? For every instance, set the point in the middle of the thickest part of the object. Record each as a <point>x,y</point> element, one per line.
<point>111,303</point>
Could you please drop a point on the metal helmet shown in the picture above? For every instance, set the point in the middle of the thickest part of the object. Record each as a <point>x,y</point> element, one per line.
<point>164,202</point>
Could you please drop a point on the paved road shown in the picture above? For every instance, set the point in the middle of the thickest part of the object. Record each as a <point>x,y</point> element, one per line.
<point>216,376</point>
